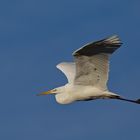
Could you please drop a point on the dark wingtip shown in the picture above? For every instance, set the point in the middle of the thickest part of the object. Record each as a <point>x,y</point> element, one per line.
<point>107,45</point>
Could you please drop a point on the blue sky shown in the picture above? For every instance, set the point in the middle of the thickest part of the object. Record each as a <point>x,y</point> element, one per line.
<point>35,35</point>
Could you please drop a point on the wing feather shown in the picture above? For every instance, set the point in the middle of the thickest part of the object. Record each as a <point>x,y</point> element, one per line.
<point>92,62</point>
<point>108,45</point>
<point>68,68</point>
<point>92,70</point>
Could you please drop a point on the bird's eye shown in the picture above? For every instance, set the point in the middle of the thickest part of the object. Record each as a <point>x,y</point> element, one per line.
<point>55,90</point>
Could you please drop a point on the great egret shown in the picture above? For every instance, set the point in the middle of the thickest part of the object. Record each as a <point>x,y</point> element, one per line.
<point>88,75</point>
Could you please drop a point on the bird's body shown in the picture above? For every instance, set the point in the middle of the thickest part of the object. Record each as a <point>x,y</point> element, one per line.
<point>88,74</point>
<point>70,93</point>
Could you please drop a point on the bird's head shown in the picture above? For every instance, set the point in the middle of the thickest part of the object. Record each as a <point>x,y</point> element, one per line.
<point>52,91</point>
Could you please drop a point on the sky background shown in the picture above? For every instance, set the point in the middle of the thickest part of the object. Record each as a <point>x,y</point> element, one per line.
<point>35,35</point>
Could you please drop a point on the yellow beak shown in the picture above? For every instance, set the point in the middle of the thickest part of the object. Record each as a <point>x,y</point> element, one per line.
<point>47,92</point>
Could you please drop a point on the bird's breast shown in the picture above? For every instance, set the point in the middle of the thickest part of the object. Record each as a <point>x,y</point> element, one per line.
<point>64,98</point>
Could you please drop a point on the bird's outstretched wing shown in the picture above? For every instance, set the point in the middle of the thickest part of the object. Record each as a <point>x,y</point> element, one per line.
<point>92,62</point>
<point>68,68</point>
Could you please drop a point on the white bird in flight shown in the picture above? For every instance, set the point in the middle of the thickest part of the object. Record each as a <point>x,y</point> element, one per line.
<point>88,74</point>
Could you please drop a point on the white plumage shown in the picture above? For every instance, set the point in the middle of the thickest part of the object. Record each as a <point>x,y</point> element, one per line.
<point>68,68</point>
<point>88,75</point>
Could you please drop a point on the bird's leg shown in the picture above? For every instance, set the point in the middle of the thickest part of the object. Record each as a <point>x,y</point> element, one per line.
<point>124,99</point>
<point>106,96</point>
<point>129,100</point>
